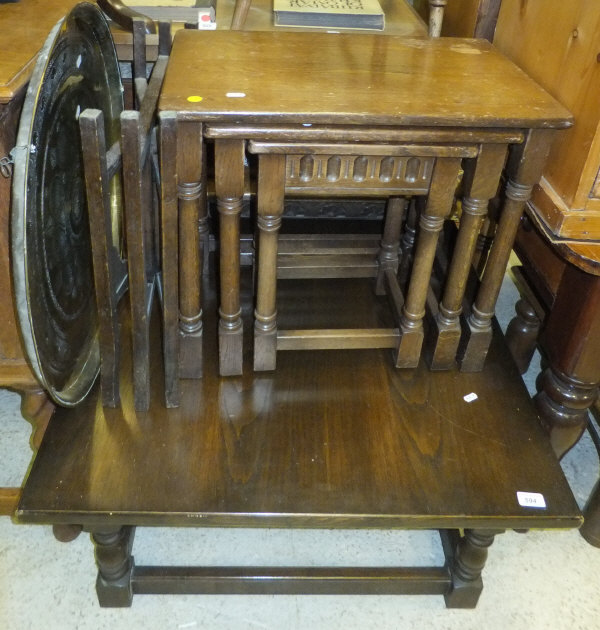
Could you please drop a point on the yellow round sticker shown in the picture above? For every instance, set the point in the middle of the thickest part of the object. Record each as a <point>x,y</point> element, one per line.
<point>194,99</point>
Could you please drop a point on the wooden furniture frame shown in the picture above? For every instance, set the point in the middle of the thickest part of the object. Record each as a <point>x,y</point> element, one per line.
<point>364,456</point>
<point>255,450</point>
<point>310,168</point>
<point>131,166</point>
<point>291,120</point>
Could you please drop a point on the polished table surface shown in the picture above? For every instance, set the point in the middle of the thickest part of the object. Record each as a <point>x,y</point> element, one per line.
<point>344,79</point>
<point>25,26</point>
<point>331,439</point>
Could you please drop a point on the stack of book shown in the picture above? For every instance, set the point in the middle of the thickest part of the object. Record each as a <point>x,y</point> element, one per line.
<point>357,14</point>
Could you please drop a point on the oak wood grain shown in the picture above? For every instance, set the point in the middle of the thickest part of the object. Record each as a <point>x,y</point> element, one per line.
<point>330,439</point>
<point>315,78</point>
<point>25,26</point>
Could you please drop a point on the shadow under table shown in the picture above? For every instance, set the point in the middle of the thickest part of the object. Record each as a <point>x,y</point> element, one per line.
<point>331,439</point>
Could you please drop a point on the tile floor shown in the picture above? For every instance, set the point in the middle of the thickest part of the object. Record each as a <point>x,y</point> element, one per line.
<point>540,580</point>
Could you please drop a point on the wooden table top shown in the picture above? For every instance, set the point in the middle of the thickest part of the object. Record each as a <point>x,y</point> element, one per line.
<point>24,26</point>
<point>332,79</point>
<point>330,439</point>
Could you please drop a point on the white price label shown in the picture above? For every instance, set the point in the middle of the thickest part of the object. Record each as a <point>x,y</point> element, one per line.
<point>531,499</point>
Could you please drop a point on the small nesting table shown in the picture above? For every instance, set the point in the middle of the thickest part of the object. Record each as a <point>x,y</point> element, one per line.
<point>355,100</point>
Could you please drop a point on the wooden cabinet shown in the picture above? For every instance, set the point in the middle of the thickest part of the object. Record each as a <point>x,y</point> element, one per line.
<point>558,44</point>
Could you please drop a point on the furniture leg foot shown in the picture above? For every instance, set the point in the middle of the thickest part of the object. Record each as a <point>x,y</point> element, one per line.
<point>66,532</point>
<point>442,345</point>
<point>522,333</point>
<point>409,345</point>
<point>474,344</point>
<point>230,348</point>
<point>265,348</point>
<point>466,562</point>
<point>115,566</point>
<point>562,403</point>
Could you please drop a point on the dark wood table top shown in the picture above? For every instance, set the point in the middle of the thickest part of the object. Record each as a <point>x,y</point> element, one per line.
<point>343,79</point>
<point>330,439</point>
<point>25,26</point>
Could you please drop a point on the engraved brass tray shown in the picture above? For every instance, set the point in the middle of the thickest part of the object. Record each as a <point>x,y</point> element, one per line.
<point>51,253</point>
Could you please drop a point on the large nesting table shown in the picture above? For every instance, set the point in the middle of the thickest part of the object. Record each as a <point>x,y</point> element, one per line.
<point>330,439</point>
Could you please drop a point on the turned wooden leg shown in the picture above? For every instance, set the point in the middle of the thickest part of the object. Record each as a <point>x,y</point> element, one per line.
<point>388,258</point>
<point>562,403</point>
<point>524,170</point>
<point>192,211</point>
<point>271,186</point>
<point>229,184</point>
<point>486,237</point>
<point>407,243</point>
<point>439,205</point>
<point>466,564</point>
<point>522,334</point>
<point>115,566</point>
<point>480,183</point>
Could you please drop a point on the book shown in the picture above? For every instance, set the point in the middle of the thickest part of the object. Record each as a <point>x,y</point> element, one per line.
<point>360,14</point>
<point>197,12</point>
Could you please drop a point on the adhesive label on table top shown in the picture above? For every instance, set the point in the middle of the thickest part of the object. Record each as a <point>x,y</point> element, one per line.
<point>531,500</point>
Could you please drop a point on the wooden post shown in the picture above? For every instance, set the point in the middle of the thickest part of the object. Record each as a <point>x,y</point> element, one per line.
<point>192,211</point>
<point>469,559</point>
<point>112,549</point>
<point>271,185</point>
<point>482,175</point>
<point>109,269</point>
<point>524,170</point>
<point>390,243</point>
<point>229,185</point>
<point>439,205</point>
<point>169,255</point>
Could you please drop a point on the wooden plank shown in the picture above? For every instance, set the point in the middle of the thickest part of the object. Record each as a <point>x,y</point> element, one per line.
<point>335,339</point>
<point>292,580</point>
<point>326,266</point>
<point>329,244</point>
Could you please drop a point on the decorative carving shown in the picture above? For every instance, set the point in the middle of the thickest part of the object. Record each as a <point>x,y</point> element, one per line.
<point>359,173</point>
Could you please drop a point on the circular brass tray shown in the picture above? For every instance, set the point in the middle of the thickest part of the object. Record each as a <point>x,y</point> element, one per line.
<point>51,252</point>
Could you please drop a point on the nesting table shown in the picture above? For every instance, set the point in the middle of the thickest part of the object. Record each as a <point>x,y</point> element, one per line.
<point>329,439</point>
